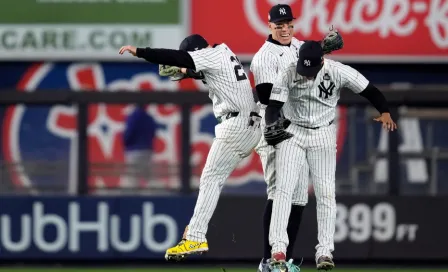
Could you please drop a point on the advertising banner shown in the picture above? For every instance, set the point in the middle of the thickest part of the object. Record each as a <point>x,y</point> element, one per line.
<point>33,134</point>
<point>367,228</point>
<point>120,228</point>
<point>91,228</point>
<point>373,30</point>
<point>72,30</point>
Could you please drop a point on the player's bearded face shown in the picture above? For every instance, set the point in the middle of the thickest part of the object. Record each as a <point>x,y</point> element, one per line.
<point>282,31</point>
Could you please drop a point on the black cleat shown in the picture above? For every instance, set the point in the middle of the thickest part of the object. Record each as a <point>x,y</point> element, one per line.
<point>325,263</point>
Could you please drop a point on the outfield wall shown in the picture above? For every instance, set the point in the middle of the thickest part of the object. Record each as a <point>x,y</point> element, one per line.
<point>141,228</point>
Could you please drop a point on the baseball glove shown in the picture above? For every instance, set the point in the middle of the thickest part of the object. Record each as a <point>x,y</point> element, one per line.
<point>172,72</point>
<point>332,41</point>
<point>275,133</point>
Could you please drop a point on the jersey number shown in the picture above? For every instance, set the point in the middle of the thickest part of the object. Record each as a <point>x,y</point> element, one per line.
<point>239,70</point>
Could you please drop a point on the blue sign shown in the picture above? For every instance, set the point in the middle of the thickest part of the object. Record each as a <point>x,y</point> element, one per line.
<point>91,227</point>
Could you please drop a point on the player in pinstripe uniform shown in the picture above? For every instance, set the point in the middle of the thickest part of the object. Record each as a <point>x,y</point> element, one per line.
<point>279,50</point>
<point>236,135</point>
<point>308,91</point>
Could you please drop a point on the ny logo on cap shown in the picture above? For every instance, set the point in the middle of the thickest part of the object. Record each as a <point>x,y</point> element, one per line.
<point>282,11</point>
<point>307,63</point>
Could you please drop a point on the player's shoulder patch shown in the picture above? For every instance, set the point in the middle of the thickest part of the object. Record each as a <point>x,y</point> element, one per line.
<point>276,90</point>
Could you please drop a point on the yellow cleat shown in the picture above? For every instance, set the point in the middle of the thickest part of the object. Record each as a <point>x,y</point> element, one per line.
<point>185,247</point>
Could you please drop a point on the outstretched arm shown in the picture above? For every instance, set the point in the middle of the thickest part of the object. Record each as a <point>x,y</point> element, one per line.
<point>357,83</point>
<point>161,56</point>
<point>377,99</point>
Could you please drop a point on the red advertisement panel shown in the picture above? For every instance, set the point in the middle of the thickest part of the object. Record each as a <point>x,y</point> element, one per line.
<point>373,30</point>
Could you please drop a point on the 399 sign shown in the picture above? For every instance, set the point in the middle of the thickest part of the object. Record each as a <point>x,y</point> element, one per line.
<point>360,223</point>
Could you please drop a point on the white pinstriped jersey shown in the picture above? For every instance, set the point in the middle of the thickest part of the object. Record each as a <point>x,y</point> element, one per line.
<point>272,58</point>
<point>229,86</point>
<point>312,103</point>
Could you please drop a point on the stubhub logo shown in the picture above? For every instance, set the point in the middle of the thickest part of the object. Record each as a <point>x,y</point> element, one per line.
<point>68,231</point>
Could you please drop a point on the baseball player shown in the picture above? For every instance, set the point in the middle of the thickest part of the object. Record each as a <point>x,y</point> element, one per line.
<point>307,91</point>
<point>236,135</point>
<point>279,50</point>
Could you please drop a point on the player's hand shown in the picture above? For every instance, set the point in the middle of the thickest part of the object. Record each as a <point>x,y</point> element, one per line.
<point>386,120</point>
<point>128,48</point>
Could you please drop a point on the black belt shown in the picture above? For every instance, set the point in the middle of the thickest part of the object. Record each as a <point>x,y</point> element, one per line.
<point>331,122</point>
<point>233,114</point>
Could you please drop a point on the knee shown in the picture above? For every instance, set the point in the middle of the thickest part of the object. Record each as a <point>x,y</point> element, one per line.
<point>283,192</point>
<point>210,180</point>
<point>328,197</point>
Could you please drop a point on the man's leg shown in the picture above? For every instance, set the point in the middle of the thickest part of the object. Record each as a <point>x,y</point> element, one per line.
<point>131,180</point>
<point>289,162</point>
<point>221,161</point>
<point>299,201</point>
<point>267,158</point>
<point>234,141</point>
<point>322,161</point>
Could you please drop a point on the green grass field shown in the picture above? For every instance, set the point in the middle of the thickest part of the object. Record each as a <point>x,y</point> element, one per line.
<point>158,269</point>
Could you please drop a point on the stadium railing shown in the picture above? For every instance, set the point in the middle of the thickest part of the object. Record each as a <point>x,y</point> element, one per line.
<point>415,98</point>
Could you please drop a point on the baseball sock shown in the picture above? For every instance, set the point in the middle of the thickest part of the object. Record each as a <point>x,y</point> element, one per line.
<point>293,228</point>
<point>266,224</point>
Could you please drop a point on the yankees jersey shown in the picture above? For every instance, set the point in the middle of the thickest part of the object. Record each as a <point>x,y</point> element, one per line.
<point>312,103</point>
<point>229,86</point>
<point>272,58</point>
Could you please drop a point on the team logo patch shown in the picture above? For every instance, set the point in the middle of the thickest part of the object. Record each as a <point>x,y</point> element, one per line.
<point>276,90</point>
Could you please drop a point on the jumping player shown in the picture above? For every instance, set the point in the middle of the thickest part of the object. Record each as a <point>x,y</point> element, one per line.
<point>236,135</point>
<point>307,91</point>
<point>279,50</point>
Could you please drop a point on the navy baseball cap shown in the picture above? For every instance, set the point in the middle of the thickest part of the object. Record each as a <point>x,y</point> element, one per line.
<point>280,13</point>
<point>193,42</point>
<point>310,59</point>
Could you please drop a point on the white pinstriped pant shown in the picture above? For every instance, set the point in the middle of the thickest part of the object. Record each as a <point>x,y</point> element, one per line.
<point>267,158</point>
<point>318,148</point>
<point>234,141</point>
